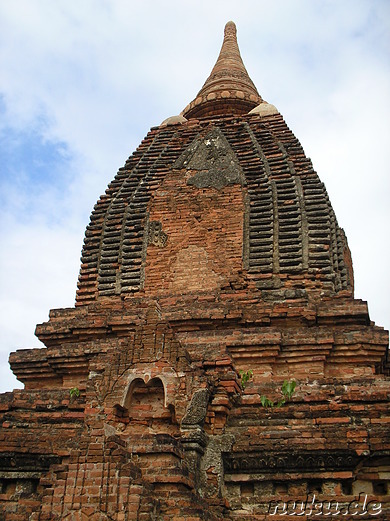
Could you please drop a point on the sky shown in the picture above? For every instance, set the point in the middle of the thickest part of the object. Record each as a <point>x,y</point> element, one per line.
<point>81,83</point>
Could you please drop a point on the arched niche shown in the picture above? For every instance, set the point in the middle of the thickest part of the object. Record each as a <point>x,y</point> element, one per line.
<point>145,402</point>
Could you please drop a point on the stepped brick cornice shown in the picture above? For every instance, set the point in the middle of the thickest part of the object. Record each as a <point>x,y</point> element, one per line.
<point>228,89</point>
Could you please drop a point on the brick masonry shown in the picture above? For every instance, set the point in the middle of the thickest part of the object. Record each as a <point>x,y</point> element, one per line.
<point>214,252</point>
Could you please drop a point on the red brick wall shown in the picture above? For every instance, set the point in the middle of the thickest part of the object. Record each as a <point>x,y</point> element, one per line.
<point>204,244</point>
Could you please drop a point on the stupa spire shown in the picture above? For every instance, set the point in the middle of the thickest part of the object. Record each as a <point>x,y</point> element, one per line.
<point>228,89</point>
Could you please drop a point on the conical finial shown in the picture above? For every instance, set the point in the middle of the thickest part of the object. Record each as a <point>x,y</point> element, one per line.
<point>230,28</point>
<point>228,89</point>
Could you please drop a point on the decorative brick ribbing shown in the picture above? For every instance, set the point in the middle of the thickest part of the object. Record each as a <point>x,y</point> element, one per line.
<point>290,227</point>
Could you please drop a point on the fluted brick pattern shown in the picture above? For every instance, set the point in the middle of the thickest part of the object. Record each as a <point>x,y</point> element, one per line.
<point>290,227</point>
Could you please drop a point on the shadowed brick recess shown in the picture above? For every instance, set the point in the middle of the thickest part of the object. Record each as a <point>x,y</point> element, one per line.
<point>213,272</point>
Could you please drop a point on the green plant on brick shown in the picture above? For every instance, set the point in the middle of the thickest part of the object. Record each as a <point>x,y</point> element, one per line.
<point>74,392</point>
<point>288,388</point>
<point>287,391</point>
<point>245,377</point>
<point>266,402</point>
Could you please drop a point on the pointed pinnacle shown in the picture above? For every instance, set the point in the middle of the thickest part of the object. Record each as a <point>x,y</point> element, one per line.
<point>228,89</point>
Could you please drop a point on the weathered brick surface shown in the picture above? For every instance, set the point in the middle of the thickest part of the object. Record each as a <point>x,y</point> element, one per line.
<point>145,365</point>
<point>214,252</point>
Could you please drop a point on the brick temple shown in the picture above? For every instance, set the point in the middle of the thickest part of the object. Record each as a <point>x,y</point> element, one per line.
<point>214,277</point>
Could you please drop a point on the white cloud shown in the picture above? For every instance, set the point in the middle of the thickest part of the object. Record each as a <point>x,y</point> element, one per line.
<point>93,77</point>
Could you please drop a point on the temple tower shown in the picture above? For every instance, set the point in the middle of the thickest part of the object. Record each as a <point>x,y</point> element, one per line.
<point>216,364</point>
